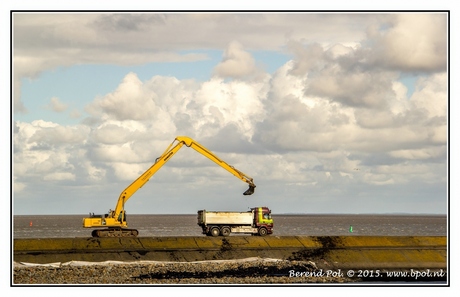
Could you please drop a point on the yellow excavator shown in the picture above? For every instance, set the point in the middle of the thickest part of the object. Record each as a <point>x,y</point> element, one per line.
<point>115,220</point>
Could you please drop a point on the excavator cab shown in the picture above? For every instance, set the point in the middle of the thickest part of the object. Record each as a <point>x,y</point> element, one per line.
<point>122,217</point>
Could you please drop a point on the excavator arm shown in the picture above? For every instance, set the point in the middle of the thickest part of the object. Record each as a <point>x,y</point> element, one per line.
<point>172,149</point>
<point>116,217</point>
<point>205,152</point>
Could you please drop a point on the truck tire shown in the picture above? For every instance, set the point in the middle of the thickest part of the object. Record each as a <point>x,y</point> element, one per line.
<point>263,231</point>
<point>215,231</point>
<point>225,231</point>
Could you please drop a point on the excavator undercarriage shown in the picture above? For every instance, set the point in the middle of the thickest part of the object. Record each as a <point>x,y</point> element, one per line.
<point>115,232</point>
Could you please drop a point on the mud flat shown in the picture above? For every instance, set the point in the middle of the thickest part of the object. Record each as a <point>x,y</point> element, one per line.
<point>206,259</point>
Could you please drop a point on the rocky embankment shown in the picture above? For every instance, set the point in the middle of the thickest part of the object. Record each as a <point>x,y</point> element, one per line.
<point>249,271</point>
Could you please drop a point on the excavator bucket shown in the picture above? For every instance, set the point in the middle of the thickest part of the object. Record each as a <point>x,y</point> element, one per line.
<point>249,191</point>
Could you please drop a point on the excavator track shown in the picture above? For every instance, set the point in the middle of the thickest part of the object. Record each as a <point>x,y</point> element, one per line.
<point>115,232</point>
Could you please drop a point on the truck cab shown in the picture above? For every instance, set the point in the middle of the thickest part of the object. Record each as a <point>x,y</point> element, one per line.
<point>263,220</point>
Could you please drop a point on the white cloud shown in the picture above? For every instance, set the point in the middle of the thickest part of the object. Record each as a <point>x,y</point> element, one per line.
<point>307,58</point>
<point>56,105</point>
<point>126,171</point>
<point>422,154</point>
<point>18,187</point>
<point>75,114</point>
<point>127,102</point>
<point>60,135</point>
<point>236,63</point>
<point>411,42</point>
<point>431,95</point>
<point>94,173</point>
<point>222,103</point>
<point>117,132</point>
<point>59,176</point>
<point>45,41</point>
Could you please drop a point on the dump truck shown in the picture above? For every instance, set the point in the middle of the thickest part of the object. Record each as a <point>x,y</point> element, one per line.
<point>257,221</point>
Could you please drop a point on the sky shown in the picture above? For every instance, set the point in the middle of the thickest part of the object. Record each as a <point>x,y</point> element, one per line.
<point>327,112</point>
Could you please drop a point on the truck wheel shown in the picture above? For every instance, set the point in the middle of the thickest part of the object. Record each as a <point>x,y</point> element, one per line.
<point>263,231</point>
<point>225,231</point>
<point>215,231</point>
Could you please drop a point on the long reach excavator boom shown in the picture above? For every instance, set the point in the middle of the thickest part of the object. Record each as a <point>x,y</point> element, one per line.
<point>115,221</point>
